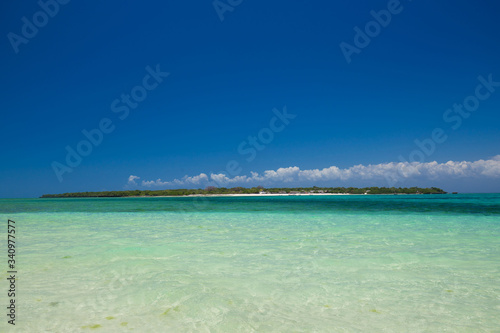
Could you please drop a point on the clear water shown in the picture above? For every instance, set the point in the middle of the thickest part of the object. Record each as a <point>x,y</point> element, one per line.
<point>425,263</point>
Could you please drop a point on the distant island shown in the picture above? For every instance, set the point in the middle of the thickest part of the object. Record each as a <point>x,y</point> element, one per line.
<point>259,190</point>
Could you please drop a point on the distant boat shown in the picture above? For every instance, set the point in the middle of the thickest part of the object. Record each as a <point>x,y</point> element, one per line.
<point>454,192</point>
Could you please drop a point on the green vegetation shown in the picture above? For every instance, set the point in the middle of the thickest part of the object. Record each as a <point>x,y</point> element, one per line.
<point>211,190</point>
<point>92,326</point>
<point>176,308</point>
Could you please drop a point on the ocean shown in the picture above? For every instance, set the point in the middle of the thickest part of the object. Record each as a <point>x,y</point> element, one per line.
<point>353,263</point>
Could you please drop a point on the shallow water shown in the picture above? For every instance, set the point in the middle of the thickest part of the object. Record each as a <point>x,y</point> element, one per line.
<point>276,264</point>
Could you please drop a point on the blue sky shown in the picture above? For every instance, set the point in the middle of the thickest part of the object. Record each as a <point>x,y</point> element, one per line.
<point>227,79</point>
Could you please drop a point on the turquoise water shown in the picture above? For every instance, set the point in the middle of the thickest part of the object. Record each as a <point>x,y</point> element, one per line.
<point>424,263</point>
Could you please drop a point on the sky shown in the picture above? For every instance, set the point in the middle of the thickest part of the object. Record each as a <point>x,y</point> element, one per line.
<point>173,94</point>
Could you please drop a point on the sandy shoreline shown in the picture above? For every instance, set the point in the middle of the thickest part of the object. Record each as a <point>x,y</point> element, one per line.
<point>250,195</point>
<point>236,195</point>
<point>263,195</point>
<point>245,195</point>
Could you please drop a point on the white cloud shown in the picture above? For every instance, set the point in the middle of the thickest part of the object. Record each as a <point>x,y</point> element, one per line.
<point>384,171</point>
<point>131,180</point>
<point>196,179</point>
<point>159,182</point>
<point>286,175</point>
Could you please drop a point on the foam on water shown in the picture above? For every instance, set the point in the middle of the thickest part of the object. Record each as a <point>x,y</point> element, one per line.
<point>302,264</point>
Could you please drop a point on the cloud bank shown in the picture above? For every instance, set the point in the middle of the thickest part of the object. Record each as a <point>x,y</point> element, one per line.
<point>390,172</point>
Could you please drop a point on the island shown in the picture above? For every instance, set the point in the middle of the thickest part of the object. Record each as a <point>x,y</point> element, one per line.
<point>259,190</point>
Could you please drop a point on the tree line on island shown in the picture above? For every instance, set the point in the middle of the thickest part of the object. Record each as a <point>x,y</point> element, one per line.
<point>212,190</point>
